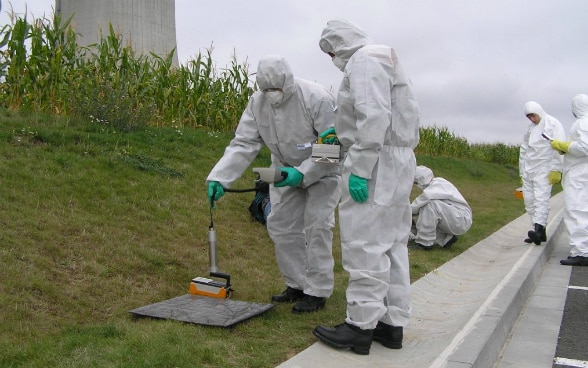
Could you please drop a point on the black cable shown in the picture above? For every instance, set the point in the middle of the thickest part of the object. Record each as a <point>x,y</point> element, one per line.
<point>257,187</point>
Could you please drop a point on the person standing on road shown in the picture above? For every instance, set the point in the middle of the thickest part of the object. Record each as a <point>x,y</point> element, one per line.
<point>540,167</point>
<point>377,124</point>
<point>443,213</point>
<point>575,182</point>
<point>286,114</point>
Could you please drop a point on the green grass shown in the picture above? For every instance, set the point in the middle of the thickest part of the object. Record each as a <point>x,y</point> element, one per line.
<point>95,223</point>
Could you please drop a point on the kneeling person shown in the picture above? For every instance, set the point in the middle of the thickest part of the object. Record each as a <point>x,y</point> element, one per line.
<point>443,213</point>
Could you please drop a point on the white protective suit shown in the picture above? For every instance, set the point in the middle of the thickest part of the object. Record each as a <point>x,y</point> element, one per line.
<point>443,211</point>
<point>301,219</point>
<point>536,160</point>
<point>377,123</point>
<point>575,179</point>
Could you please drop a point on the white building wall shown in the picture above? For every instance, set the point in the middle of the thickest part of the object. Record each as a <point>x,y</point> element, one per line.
<point>147,25</point>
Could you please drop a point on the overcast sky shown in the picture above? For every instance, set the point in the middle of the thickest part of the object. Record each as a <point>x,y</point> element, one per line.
<point>473,63</point>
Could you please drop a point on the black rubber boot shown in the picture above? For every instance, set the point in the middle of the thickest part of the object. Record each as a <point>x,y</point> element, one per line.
<point>389,336</point>
<point>450,242</point>
<point>424,247</point>
<point>288,296</point>
<point>540,229</point>
<point>575,261</point>
<point>309,304</point>
<point>346,336</point>
<point>537,235</point>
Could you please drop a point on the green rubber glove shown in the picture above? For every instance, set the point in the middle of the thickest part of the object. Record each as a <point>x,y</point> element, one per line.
<point>215,191</point>
<point>561,146</point>
<point>293,179</point>
<point>328,137</point>
<point>554,177</point>
<point>358,188</point>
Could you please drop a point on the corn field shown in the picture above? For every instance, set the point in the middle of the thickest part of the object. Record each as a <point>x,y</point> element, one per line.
<point>42,69</point>
<point>439,141</point>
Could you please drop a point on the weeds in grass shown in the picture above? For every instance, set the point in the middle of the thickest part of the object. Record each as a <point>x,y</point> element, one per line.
<point>144,163</point>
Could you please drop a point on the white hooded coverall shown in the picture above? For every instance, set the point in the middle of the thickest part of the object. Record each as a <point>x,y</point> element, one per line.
<point>377,123</point>
<point>536,160</point>
<point>575,179</point>
<point>301,219</point>
<point>443,211</point>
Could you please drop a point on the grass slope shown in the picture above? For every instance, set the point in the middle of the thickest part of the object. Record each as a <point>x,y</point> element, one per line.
<point>95,223</point>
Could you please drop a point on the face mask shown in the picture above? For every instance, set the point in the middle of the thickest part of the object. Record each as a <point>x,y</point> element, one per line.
<point>339,63</point>
<point>275,97</point>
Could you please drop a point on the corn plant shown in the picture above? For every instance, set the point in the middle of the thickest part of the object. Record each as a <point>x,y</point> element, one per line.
<point>36,58</point>
<point>42,69</point>
<point>439,141</point>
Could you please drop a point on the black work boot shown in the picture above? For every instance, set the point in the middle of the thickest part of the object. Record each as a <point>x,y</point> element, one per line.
<point>424,247</point>
<point>575,261</point>
<point>309,304</point>
<point>289,295</point>
<point>540,229</point>
<point>389,336</point>
<point>346,336</point>
<point>450,242</point>
<point>537,235</point>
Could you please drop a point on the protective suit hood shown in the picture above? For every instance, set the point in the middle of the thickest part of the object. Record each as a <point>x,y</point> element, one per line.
<point>423,176</point>
<point>342,38</point>
<point>580,106</point>
<point>533,107</point>
<point>273,71</point>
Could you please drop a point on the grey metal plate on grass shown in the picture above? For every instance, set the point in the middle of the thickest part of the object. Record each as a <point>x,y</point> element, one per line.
<point>203,310</point>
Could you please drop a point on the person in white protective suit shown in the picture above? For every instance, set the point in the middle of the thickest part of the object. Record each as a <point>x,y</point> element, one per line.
<point>540,167</point>
<point>377,123</point>
<point>443,213</point>
<point>575,182</point>
<point>286,114</point>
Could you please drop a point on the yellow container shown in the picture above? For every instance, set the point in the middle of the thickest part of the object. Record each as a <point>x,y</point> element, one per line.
<point>519,193</point>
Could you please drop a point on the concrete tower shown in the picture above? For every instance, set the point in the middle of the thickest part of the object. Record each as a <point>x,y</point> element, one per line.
<point>147,25</point>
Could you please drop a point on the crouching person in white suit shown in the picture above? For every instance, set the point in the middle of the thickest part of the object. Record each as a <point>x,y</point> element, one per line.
<point>443,213</point>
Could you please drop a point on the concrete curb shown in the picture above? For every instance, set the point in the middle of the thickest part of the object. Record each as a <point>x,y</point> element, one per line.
<point>464,311</point>
<point>482,344</point>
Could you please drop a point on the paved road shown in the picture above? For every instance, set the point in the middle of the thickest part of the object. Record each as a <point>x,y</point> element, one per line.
<point>552,330</point>
<point>572,346</point>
